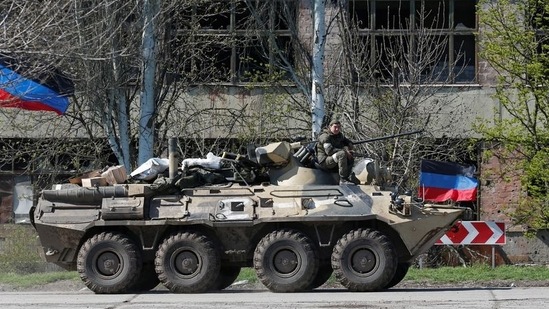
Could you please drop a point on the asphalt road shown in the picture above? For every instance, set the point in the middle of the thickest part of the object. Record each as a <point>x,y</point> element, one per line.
<point>530,297</point>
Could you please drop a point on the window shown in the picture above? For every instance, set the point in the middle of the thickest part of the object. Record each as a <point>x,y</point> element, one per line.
<point>435,15</point>
<point>235,40</point>
<point>401,29</point>
<point>391,14</point>
<point>538,18</point>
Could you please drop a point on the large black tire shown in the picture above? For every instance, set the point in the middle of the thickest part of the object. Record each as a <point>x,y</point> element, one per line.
<point>188,262</point>
<point>324,273</point>
<point>364,260</point>
<point>286,261</point>
<point>227,275</point>
<point>148,279</point>
<point>109,263</point>
<point>401,271</point>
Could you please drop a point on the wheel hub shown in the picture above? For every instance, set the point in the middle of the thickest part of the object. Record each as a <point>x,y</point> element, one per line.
<point>187,263</point>
<point>108,264</point>
<point>363,261</point>
<point>285,261</point>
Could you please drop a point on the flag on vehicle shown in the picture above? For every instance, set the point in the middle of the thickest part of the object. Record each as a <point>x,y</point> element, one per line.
<point>44,89</point>
<point>442,181</point>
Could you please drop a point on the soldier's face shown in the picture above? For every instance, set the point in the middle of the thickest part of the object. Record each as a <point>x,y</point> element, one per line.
<point>335,128</point>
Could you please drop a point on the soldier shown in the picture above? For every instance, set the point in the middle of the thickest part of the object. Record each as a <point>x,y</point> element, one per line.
<point>334,149</point>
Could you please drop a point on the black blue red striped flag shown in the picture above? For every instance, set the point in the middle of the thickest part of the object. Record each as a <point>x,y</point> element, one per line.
<point>40,90</point>
<point>443,181</point>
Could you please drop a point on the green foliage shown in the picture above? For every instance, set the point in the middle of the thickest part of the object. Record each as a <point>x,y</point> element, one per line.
<point>248,274</point>
<point>514,40</point>
<point>26,280</point>
<point>19,251</point>
<point>478,273</point>
<point>474,273</point>
<point>534,208</point>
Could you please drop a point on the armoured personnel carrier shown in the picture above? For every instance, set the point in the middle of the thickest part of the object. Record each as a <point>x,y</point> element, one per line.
<point>274,212</point>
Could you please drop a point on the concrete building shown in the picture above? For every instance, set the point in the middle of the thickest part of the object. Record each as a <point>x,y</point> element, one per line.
<point>463,76</point>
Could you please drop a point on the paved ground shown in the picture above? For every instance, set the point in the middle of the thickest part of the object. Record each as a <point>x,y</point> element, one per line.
<point>507,297</point>
<point>71,285</point>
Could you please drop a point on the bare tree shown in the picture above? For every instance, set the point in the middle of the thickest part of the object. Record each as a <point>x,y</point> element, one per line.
<point>98,43</point>
<point>147,107</point>
<point>383,82</point>
<point>317,91</point>
<point>403,89</point>
<point>36,37</point>
<point>267,47</point>
<point>290,54</point>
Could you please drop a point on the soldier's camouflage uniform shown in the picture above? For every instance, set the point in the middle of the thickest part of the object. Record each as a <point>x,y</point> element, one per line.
<point>330,153</point>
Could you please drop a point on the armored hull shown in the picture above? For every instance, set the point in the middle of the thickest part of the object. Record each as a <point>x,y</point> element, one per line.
<point>129,237</point>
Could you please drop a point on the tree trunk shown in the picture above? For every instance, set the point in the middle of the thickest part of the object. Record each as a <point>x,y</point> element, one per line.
<point>147,113</point>
<point>317,92</point>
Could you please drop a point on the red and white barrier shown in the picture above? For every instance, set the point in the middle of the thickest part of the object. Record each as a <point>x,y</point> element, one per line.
<point>474,233</point>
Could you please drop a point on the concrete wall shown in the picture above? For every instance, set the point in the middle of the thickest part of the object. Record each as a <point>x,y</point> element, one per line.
<point>524,250</point>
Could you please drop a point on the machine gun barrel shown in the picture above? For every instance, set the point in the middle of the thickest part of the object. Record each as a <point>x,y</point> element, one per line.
<point>386,137</point>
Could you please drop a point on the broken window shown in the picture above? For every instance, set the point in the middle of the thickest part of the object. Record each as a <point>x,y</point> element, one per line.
<point>442,30</point>
<point>392,14</point>
<point>239,39</point>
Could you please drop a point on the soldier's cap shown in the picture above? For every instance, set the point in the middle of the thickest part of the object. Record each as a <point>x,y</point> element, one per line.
<point>334,121</point>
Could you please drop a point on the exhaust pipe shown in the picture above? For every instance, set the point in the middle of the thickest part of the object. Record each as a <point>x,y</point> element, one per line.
<point>172,157</point>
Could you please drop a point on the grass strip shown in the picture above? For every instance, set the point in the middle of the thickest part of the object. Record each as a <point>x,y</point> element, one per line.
<point>477,273</point>
<point>34,279</point>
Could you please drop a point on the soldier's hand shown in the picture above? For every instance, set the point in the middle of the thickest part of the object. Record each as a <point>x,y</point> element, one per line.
<point>349,153</point>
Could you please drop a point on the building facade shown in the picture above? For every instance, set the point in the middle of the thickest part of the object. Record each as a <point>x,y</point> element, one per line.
<point>241,46</point>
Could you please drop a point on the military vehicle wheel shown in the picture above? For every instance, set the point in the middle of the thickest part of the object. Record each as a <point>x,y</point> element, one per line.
<point>324,273</point>
<point>148,279</point>
<point>401,271</point>
<point>227,276</point>
<point>286,261</point>
<point>188,262</point>
<point>108,263</point>
<point>364,260</point>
